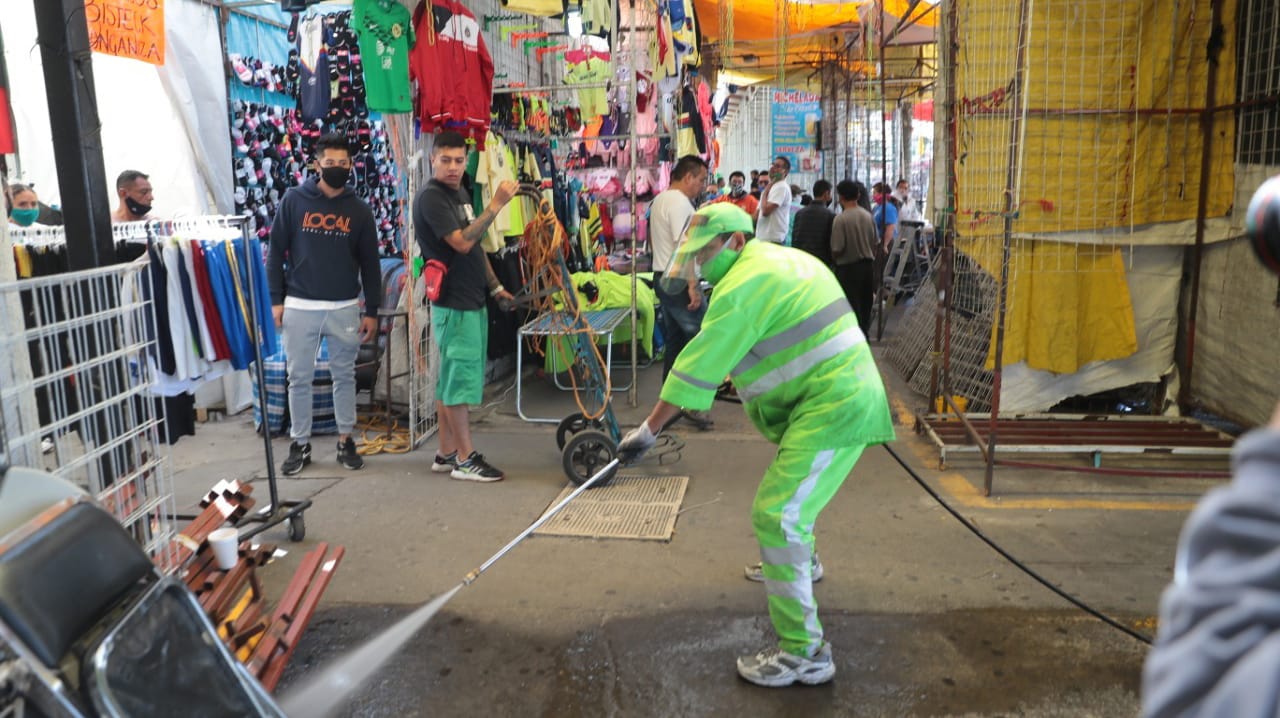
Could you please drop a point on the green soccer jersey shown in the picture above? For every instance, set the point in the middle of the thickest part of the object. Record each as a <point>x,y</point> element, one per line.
<point>385,32</point>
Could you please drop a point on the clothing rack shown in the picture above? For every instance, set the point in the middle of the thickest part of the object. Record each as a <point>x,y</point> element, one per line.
<point>563,88</point>
<point>155,230</point>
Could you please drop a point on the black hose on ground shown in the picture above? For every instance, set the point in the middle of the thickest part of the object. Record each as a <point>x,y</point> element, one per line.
<point>1011,559</point>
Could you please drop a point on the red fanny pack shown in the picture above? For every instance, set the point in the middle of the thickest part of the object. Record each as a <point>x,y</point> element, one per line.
<point>433,274</point>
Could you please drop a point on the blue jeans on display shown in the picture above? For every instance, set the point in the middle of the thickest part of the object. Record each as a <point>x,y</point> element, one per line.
<point>679,325</point>
<point>303,329</point>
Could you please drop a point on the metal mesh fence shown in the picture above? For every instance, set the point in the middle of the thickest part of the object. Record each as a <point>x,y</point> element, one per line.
<point>1079,132</point>
<point>77,398</point>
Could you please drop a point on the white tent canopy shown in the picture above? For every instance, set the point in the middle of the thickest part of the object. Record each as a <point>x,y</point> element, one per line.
<point>169,122</point>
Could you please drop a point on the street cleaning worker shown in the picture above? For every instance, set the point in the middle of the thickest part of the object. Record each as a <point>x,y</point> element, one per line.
<point>779,325</point>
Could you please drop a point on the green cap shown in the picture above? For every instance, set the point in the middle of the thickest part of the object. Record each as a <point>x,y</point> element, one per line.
<point>712,221</point>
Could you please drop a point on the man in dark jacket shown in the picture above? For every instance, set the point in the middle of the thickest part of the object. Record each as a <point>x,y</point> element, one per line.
<point>812,229</point>
<point>326,236</point>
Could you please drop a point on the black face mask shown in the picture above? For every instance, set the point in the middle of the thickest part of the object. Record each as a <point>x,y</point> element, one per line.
<point>738,191</point>
<point>335,177</point>
<point>136,208</point>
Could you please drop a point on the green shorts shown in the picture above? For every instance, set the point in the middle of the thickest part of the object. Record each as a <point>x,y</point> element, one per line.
<point>463,338</point>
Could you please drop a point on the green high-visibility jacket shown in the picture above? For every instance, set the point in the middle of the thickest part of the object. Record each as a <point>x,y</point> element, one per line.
<point>779,325</point>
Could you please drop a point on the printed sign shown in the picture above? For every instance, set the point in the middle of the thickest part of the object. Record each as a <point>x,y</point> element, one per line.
<point>795,129</point>
<point>127,28</point>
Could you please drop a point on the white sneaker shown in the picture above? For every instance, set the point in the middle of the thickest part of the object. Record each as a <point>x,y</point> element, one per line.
<point>755,572</point>
<point>775,668</point>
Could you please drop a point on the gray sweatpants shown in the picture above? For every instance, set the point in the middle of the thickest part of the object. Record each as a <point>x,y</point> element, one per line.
<point>303,329</point>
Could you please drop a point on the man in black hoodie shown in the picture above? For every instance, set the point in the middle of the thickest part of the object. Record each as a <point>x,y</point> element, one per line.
<point>327,237</point>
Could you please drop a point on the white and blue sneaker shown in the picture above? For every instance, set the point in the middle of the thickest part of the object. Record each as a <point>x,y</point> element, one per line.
<point>775,668</point>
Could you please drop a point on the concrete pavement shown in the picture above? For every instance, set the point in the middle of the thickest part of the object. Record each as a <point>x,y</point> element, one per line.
<point>925,619</point>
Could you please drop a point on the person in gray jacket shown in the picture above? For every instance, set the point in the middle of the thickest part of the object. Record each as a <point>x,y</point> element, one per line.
<point>1217,652</point>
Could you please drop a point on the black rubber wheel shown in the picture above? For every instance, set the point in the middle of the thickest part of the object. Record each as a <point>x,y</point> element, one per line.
<point>297,528</point>
<point>586,454</point>
<point>575,423</point>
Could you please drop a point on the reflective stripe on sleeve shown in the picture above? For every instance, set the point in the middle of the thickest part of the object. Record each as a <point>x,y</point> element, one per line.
<point>847,339</point>
<point>785,340</point>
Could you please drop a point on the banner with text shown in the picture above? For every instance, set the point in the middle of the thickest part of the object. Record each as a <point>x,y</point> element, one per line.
<point>127,28</point>
<point>795,129</point>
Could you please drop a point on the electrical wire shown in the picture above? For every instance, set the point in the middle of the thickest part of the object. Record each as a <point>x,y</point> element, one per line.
<point>544,249</point>
<point>1010,558</point>
<point>380,436</point>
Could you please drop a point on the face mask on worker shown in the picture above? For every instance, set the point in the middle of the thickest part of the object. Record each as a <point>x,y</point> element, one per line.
<point>335,177</point>
<point>737,191</point>
<point>25,217</point>
<point>714,269</point>
<point>135,207</point>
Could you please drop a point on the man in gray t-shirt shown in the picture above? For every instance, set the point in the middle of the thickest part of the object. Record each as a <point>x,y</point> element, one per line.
<point>853,253</point>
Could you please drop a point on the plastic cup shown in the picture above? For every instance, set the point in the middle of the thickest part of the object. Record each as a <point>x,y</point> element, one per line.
<point>225,543</point>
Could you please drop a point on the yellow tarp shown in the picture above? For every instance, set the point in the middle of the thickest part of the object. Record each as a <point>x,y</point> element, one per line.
<point>1069,304</point>
<point>1088,161</point>
<point>1091,154</point>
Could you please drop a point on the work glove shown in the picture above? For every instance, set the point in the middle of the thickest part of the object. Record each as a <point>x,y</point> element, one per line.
<point>636,443</point>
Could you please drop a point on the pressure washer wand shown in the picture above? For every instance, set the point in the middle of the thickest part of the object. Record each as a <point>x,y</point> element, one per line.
<point>606,471</point>
<point>323,694</point>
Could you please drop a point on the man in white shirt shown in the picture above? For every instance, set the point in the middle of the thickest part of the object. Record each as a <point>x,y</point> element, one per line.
<point>682,307</point>
<point>909,212</point>
<point>773,219</point>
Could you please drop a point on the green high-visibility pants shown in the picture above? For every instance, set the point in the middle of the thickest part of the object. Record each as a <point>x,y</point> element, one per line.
<point>794,490</point>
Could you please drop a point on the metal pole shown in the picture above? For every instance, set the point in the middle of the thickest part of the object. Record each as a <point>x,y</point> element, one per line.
<point>942,325</point>
<point>76,130</point>
<point>1017,101</point>
<point>881,250</point>
<point>1202,207</point>
<point>633,394</point>
<point>555,88</point>
<point>949,233</point>
<point>251,290</point>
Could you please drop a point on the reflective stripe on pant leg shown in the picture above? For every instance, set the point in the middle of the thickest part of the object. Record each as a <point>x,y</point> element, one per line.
<point>795,488</point>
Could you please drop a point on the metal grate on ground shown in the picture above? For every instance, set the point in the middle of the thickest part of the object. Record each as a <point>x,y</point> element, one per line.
<point>630,507</point>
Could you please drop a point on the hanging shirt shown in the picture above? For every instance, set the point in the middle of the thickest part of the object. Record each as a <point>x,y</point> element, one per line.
<point>593,101</point>
<point>497,165</point>
<point>313,69</point>
<point>452,68</point>
<point>541,8</point>
<point>597,17</point>
<point>385,34</point>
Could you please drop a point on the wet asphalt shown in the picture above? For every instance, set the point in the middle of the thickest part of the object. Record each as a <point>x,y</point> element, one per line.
<point>925,620</point>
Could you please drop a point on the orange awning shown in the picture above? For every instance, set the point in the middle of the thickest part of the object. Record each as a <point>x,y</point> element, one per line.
<point>758,19</point>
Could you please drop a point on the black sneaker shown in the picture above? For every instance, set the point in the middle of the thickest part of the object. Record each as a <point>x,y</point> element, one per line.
<point>475,468</point>
<point>299,456</point>
<point>445,463</point>
<point>700,419</point>
<point>348,456</point>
